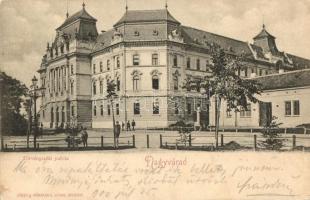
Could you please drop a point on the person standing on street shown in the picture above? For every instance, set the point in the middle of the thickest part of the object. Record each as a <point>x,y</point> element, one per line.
<point>117,133</point>
<point>123,126</point>
<point>128,126</point>
<point>133,124</point>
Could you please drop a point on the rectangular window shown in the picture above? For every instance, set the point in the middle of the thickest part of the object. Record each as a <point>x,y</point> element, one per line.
<point>117,109</point>
<point>108,65</point>
<point>189,109</point>
<point>155,83</point>
<point>260,72</point>
<point>135,59</point>
<point>136,108</point>
<point>101,66</point>
<point>109,109</point>
<point>155,59</point>
<point>72,71</point>
<point>72,111</point>
<point>94,68</point>
<point>296,107</point>
<point>246,112</point>
<point>198,64</point>
<point>135,83</point>
<point>288,108</point>
<point>118,63</point>
<point>95,110</point>
<point>188,63</point>
<point>118,84</point>
<point>101,110</point>
<point>175,60</point>
<point>246,72</point>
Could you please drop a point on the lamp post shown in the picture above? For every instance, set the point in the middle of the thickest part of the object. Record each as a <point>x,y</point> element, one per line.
<point>35,96</point>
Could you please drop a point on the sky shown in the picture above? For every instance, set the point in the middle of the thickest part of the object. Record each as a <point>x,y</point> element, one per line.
<point>27,25</point>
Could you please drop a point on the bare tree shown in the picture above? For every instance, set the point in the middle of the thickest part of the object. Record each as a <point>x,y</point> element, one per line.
<point>111,95</point>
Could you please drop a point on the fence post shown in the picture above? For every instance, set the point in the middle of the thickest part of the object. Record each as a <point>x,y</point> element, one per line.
<point>160,141</point>
<point>255,143</point>
<point>285,130</point>
<point>133,141</point>
<point>38,145</point>
<point>222,140</point>
<point>14,147</point>
<point>294,142</point>
<point>101,141</point>
<point>251,130</point>
<point>190,140</point>
<point>147,141</point>
<point>236,130</point>
<point>6,146</point>
<point>176,145</point>
<point>305,130</point>
<point>166,144</point>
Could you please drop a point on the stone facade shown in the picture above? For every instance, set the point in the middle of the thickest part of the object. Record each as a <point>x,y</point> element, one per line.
<point>148,54</point>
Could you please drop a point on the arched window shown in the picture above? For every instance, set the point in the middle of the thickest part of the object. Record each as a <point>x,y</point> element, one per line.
<point>63,114</point>
<point>175,82</point>
<point>101,87</point>
<point>118,84</point>
<point>100,66</point>
<point>94,88</point>
<point>118,63</point>
<point>52,115</point>
<point>135,80</point>
<point>101,110</point>
<point>57,115</point>
<point>156,107</point>
<point>155,82</point>
<point>72,88</point>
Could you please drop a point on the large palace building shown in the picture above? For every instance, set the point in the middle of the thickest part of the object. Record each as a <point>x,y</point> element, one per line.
<point>149,54</point>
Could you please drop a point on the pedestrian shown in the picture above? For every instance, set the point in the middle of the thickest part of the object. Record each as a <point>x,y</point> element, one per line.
<point>133,124</point>
<point>117,133</point>
<point>123,126</point>
<point>128,126</point>
<point>85,137</point>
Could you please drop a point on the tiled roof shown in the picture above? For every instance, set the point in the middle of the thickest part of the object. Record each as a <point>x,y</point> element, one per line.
<point>82,14</point>
<point>146,16</point>
<point>204,38</point>
<point>299,78</point>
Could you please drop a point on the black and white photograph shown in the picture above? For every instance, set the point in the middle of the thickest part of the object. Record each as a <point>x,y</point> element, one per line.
<point>161,99</point>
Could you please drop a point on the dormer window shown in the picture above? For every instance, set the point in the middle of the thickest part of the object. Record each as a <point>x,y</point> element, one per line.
<point>136,33</point>
<point>155,32</point>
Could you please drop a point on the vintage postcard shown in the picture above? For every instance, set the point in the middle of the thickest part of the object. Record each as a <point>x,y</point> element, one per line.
<point>161,99</point>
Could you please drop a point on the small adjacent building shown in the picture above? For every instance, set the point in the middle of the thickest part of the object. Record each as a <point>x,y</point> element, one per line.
<point>285,96</point>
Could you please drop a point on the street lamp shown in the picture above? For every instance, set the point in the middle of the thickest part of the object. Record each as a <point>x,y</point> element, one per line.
<point>35,96</point>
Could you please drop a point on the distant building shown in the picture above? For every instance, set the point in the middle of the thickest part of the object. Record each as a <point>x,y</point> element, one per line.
<point>285,96</point>
<point>149,54</point>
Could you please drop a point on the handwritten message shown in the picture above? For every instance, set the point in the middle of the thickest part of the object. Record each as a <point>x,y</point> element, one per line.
<point>152,176</point>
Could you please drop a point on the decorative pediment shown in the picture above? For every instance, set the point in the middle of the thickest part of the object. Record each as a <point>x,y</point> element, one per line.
<point>101,78</point>
<point>136,73</point>
<point>155,72</point>
<point>176,73</point>
<point>108,77</point>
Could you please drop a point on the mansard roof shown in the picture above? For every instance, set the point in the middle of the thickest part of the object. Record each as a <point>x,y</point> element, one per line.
<point>293,79</point>
<point>82,14</point>
<point>132,16</point>
<point>204,39</point>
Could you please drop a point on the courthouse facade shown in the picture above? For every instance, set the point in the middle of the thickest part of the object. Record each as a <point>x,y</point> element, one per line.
<point>149,54</point>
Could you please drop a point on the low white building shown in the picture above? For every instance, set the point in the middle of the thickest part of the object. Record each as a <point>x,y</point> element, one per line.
<point>285,96</point>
